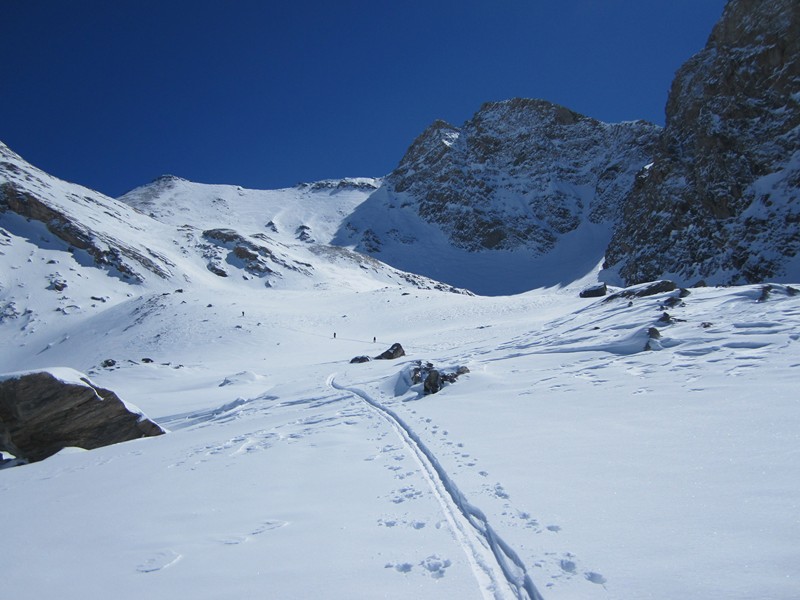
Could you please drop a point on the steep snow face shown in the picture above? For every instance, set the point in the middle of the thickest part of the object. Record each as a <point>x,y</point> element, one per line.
<point>722,200</point>
<point>96,229</point>
<point>509,187</point>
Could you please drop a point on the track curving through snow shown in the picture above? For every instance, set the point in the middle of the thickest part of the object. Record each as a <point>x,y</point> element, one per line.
<point>499,570</point>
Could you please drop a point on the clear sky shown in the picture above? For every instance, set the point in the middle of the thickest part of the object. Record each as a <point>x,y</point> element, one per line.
<point>268,93</point>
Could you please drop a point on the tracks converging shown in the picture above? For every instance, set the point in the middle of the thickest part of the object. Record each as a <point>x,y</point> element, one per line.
<point>499,570</point>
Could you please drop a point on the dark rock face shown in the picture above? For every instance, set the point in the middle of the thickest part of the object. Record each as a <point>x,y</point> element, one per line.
<point>395,351</point>
<point>519,174</point>
<point>433,379</point>
<point>721,201</point>
<point>433,382</point>
<point>41,414</point>
<point>252,253</point>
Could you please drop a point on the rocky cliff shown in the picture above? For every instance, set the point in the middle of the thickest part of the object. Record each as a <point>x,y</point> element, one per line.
<point>721,201</point>
<point>519,174</point>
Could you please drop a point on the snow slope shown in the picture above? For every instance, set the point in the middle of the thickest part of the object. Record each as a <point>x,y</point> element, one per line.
<point>570,463</point>
<point>608,471</point>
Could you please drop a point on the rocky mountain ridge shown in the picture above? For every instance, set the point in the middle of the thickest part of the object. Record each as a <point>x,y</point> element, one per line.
<point>721,201</point>
<point>518,176</point>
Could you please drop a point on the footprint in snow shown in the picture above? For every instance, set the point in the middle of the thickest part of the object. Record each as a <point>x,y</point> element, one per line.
<point>401,567</point>
<point>595,577</point>
<point>235,540</point>
<point>568,566</point>
<point>406,493</point>
<point>268,525</point>
<point>435,566</point>
<point>161,560</point>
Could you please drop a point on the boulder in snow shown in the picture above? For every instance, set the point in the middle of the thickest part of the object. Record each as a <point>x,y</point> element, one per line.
<point>395,351</point>
<point>594,291</point>
<point>42,412</point>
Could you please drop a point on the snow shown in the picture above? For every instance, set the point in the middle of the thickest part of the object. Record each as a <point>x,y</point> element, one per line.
<point>568,463</point>
<point>608,470</point>
<point>63,374</point>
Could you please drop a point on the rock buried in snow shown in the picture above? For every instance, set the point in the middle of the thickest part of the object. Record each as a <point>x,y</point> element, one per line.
<point>359,359</point>
<point>395,351</point>
<point>647,289</point>
<point>433,379</point>
<point>594,291</point>
<point>42,412</point>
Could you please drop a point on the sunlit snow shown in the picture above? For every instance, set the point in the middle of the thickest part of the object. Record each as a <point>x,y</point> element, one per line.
<point>569,462</point>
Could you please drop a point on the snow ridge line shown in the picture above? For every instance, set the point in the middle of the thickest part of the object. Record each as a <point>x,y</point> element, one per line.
<point>511,565</point>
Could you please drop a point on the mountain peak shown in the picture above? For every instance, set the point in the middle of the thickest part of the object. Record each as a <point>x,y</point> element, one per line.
<point>516,178</point>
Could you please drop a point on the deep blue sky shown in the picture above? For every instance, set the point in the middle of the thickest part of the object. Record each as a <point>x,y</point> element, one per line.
<point>264,94</point>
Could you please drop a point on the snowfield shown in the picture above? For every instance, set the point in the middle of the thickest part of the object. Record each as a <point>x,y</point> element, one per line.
<point>607,471</point>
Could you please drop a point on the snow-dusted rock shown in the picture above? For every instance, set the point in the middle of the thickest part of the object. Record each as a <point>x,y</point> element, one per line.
<point>70,213</point>
<point>42,412</point>
<point>519,174</point>
<point>721,201</point>
<point>394,351</point>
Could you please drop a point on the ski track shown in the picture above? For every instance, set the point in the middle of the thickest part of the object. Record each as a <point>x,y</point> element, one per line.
<point>498,569</point>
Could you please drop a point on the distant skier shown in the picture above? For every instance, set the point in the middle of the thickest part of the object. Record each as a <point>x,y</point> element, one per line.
<point>373,339</point>
<point>334,335</point>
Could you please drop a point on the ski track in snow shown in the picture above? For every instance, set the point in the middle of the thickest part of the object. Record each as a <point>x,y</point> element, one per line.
<point>498,569</point>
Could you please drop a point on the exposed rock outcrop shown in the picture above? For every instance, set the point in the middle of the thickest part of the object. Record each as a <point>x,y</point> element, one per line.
<point>33,194</point>
<point>721,201</point>
<point>594,291</point>
<point>519,174</point>
<point>395,351</point>
<point>250,253</point>
<point>433,382</point>
<point>433,379</point>
<point>646,289</point>
<point>42,412</point>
